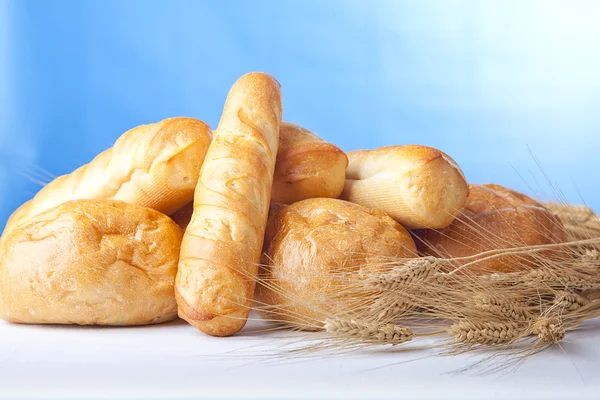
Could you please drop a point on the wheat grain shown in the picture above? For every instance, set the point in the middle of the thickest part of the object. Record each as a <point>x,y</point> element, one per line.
<point>412,271</point>
<point>365,332</point>
<point>486,333</point>
<point>502,307</point>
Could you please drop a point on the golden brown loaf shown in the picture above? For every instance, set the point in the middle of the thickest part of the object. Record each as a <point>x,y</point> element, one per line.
<point>223,241</point>
<point>494,217</point>
<point>307,166</point>
<point>418,186</point>
<point>85,262</point>
<point>312,247</point>
<point>153,166</point>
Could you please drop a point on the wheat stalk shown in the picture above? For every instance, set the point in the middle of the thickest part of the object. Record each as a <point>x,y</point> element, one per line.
<point>412,271</point>
<point>367,332</point>
<point>485,333</point>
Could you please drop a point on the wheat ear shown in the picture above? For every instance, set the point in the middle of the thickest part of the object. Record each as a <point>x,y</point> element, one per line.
<point>411,271</point>
<point>549,329</point>
<point>368,332</point>
<point>502,308</point>
<point>486,333</point>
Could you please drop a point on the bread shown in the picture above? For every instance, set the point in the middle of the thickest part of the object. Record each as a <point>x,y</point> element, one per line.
<point>494,217</point>
<point>313,247</point>
<point>102,262</point>
<point>222,244</point>
<point>418,186</point>
<point>153,166</point>
<point>307,166</point>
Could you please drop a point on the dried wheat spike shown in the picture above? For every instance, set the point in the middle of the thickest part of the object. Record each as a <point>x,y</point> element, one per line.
<point>368,332</point>
<point>414,270</point>
<point>485,332</point>
<point>570,301</point>
<point>570,214</point>
<point>502,308</point>
<point>570,280</point>
<point>391,308</point>
<point>549,329</point>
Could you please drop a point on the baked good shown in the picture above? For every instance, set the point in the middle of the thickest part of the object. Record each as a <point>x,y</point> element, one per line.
<point>494,217</point>
<point>313,248</point>
<point>307,166</point>
<point>85,262</point>
<point>153,166</point>
<point>418,186</point>
<point>222,244</point>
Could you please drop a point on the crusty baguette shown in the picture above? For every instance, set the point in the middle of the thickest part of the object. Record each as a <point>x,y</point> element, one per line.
<point>307,166</point>
<point>91,262</point>
<point>418,186</point>
<point>495,218</point>
<point>153,166</point>
<point>222,244</point>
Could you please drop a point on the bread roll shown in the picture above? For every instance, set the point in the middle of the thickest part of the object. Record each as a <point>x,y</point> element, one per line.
<point>418,186</point>
<point>222,244</point>
<point>155,166</point>
<point>307,166</point>
<point>313,247</point>
<point>494,217</point>
<point>85,262</point>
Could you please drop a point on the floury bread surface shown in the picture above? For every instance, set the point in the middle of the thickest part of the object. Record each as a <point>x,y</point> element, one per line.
<point>91,262</point>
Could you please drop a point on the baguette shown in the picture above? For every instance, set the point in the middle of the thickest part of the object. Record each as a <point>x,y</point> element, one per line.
<point>222,244</point>
<point>306,167</point>
<point>418,186</point>
<point>154,166</point>
<point>91,262</point>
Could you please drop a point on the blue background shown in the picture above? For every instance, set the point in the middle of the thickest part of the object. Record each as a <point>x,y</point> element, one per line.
<point>489,82</point>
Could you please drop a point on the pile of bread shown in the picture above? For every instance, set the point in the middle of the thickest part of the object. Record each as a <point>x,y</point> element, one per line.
<point>174,220</point>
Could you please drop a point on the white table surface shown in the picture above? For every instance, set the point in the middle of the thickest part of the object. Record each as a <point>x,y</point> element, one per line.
<point>175,361</point>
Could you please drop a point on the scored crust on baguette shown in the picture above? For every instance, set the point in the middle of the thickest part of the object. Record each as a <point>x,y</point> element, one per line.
<point>222,244</point>
<point>91,262</point>
<point>307,166</point>
<point>155,166</point>
<point>418,186</point>
<point>494,217</point>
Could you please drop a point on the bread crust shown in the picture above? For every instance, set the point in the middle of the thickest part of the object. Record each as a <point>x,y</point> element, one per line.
<point>223,241</point>
<point>91,262</point>
<point>307,166</point>
<point>155,166</point>
<point>418,186</point>
<point>313,247</point>
<point>494,217</point>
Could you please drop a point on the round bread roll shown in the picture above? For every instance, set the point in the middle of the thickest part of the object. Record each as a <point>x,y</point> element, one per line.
<point>307,166</point>
<point>418,186</point>
<point>494,217</point>
<point>312,247</point>
<point>155,166</point>
<point>91,262</point>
